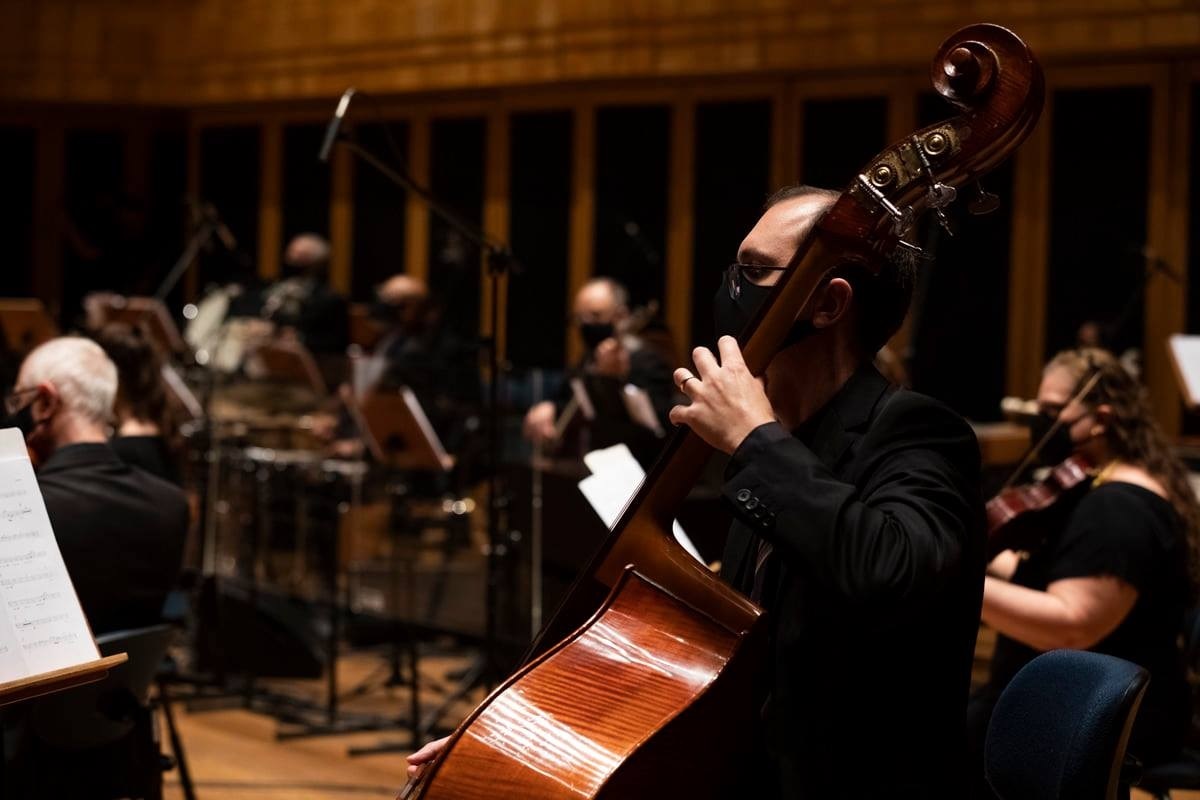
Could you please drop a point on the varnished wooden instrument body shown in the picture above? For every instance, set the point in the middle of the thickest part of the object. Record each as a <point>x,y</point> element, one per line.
<point>641,685</point>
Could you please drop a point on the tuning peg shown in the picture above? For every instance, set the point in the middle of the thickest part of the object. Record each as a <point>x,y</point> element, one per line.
<point>984,202</point>
<point>944,221</point>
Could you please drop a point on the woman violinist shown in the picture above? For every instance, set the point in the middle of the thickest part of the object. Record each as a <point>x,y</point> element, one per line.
<point>1114,572</point>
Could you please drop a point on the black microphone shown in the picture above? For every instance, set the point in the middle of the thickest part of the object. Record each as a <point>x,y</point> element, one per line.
<point>335,124</point>
<point>223,233</point>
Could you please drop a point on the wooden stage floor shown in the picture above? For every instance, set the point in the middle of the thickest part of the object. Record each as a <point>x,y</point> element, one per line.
<point>234,754</point>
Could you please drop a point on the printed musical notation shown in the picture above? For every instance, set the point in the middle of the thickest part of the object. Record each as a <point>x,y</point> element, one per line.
<point>54,640</point>
<point>41,621</point>
<point>42,626</point>
<point>15,512</point>
<point>32,577</point>
<point>21,558</point>
<point>36,601</point>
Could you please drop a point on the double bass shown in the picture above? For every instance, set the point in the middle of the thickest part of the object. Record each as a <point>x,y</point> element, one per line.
<point>642,684</point>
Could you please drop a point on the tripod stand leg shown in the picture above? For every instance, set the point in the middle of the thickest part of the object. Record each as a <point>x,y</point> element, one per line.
<point>185,775</point>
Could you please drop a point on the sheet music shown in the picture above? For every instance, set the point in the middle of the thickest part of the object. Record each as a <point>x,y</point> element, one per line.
<point>616,476</point>
<point>418,414</point>
<point>640,408</point>
<point>1185,353</point>
<point>42,626</point>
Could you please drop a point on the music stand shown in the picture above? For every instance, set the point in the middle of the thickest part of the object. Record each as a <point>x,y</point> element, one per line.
<point>147,313</point>
<point>286,361</point>
<point>397,433</point>
<point>25,323</point>
<point>399,436</point>
<point>1185,363</point>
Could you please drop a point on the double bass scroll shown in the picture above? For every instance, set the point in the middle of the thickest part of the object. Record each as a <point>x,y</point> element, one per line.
<point>642,684</point>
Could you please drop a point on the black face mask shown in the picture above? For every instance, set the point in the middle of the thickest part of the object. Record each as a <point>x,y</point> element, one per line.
<point>594,333</point>
<point>386,312</point>
<point>1056,449</point>
<point>731,315</point>
<point>22,420</point>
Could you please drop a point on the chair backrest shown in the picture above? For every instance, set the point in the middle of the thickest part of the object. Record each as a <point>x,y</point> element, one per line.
<point>98,713</point>
<point>1060,728</point>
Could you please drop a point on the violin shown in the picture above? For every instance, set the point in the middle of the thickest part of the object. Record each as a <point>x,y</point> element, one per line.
<point>645,682</point>
<point>1013,514</point>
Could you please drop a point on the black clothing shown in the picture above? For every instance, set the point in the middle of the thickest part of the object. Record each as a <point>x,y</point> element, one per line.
<point>647,371</point>
<point>1131,533</point>
<point>873,588</point>
<point>319,315</point>
<point>149,453</point>
<point>121,532</point>
<point>443,372</point>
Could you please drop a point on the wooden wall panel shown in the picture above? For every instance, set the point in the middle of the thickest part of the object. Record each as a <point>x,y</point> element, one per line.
<point>230,51</point>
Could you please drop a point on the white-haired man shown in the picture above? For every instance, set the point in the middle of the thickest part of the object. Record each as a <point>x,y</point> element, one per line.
<point>121,530</point>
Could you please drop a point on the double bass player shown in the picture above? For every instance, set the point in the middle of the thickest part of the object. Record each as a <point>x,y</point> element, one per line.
<point>858,526</point>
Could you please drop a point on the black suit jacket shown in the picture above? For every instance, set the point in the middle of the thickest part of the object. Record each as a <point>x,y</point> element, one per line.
<point>873,590</point>
<point>121,532</point>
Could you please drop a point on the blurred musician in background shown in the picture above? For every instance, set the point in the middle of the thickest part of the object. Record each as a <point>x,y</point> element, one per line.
<point>144,430</point>
<point>121,530</point>
<point>612,358</point>
<point>415,350</point>
<point>303,304</point>
<point>1113,573</point>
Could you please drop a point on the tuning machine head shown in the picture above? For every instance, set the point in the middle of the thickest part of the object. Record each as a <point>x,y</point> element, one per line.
<point>984,202</point>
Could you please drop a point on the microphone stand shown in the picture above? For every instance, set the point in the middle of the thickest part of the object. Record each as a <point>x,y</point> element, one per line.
<point>485,672</point>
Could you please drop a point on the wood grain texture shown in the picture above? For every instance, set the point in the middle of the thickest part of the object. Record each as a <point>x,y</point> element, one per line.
<point>568,722</point>
<point>223,51</point>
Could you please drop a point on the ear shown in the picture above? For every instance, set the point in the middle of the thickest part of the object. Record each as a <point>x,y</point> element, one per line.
<point>47,401</point>
<point>832,303</point>
<point>1103,414</point>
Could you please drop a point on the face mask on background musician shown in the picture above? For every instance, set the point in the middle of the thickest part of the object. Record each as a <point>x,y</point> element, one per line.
<point>21,419</point>
<point>593,333</point>
<point>1057,445</point>
<point>1061,442</point>
<point>18,413</point>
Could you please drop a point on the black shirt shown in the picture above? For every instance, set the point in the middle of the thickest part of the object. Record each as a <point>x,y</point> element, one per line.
<point>873,590</point>
<point>150,453</point>
<point>1131,533</point>
<point>121,532</point>
<point>647,371</point>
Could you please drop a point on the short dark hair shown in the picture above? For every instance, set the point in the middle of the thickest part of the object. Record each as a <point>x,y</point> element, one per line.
<point>882,296</point>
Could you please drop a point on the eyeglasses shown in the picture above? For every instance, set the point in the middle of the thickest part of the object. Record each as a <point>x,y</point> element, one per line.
<point>12,403</point>
<point>736,272</point>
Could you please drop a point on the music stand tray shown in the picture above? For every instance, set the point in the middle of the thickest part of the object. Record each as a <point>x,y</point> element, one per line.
<point>25,323</point>
<point>149,314</point>
<point>286,362</point>
<point>397,432</point>
<point>58,680</point>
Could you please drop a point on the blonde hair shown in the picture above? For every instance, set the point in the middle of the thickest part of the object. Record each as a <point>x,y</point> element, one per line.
<point>1133,435</point>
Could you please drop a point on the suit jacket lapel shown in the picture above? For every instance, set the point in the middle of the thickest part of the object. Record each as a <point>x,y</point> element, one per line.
<point>850,411</point>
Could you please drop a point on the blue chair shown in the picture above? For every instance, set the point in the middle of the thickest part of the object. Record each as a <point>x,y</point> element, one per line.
<point>1060,728</point>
